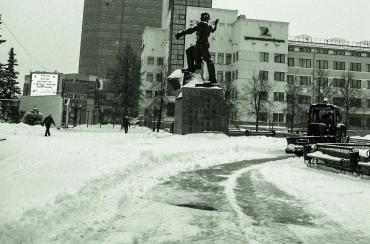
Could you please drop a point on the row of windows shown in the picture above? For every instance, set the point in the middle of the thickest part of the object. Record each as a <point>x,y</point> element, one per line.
<point>151,61</point>
<point>353,102</point>
<point>150,76</point>
<point>354,120</point>
<point>222,58</point>
<point>278,76</point>
<point>324,64</point>
<point>278,58</point>
<point>150,93</point>
<point>227,76</point>
<point>330,51</point>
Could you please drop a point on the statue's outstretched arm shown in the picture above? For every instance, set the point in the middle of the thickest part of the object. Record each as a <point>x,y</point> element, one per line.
<point>186,32</point>
<point>213,29</point>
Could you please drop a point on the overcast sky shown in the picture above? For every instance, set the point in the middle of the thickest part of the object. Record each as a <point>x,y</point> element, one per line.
<point>50,30</point>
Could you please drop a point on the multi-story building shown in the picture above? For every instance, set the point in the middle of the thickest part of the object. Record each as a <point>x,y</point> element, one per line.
<point>154,66</point>
<point>245,48</point>
<point>322,67</point>
<point>108,25</point>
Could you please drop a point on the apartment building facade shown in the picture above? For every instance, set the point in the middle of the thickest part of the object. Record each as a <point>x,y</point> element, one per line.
<point>323,67</point>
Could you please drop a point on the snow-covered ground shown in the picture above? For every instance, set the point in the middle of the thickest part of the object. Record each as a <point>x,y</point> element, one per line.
<point>87,185</point>
<point>46,180</point>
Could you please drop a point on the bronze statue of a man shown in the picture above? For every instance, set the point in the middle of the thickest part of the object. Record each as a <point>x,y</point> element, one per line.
<point>200,51</point>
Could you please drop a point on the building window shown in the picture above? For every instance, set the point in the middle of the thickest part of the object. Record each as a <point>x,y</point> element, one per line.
<point>290,79</point>
<point>213,57</point>
<point>278,117</point>
<point>338,101</point>
<point>355,67</point>
<point>368,84</point>
<point>262,117</point>
<point>236,74</point>
<point>149,76</point>
<point>291,48</point>
<point>355,102</point>
<point>339,52</point>
<point>368,68</point>
<point>159,77</point>
<point>305,63</point>
<point>220,76</point>
<point>305,80</point>
<point>233,57</point>
<point>263,95</point>
<point>148,93</point>
<point>304,99</point>
<point>150,61</point>
<point>368,103</point>
<point>355,84</point>
<point>338,82</point>
<point>264,57</point>
<point>279,76</point>
<point>355,121</point>
<point>323,51</point>
<point>263,75</point>
<point>356,54</point>
<point>159,61</point>
<point>339,65</point>
<point>220,58</point>
<point>322,64</point>
<point>171,109</point>
<point>279,58</point>
<point>227,76</point>
<point>291,62</point>
<point>305,49</point>
<point>237,56</point>
<point>228,58</point>
<point>323,82</point>
<point>279,96</point>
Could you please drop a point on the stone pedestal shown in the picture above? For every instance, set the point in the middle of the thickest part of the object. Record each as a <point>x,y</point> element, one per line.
<point>200,109</point>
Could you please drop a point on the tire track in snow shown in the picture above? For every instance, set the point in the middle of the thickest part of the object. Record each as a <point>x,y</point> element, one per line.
<point>245,222</point>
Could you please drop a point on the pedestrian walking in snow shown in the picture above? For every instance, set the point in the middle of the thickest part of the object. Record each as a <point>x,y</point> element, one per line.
<point>126,124</point>
<point>48,120</point>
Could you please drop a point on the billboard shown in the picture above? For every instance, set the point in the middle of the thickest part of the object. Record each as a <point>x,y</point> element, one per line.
<point>44,84</point>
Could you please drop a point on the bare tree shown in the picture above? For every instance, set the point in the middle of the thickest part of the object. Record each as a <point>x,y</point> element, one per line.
<point>126,79</point>
<point>160,99</point>
<point>257,97</point>
<point>293,92</point>
<point>348,91</point>
<point>322,86</point>
<point>227,85</point>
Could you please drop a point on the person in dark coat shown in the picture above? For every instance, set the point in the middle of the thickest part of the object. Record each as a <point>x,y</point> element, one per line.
<point>126,124</point>
<point>48,120</point>
<point>201,50</point>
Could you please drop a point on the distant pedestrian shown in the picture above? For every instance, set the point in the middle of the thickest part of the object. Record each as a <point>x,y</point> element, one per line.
<point>48,120</point>
<point>126,124</point>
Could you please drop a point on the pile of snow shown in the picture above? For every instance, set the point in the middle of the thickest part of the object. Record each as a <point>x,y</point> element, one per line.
<point>61,188</point>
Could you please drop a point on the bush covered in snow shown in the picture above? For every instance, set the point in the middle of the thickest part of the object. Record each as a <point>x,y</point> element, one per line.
<point>34,117</point>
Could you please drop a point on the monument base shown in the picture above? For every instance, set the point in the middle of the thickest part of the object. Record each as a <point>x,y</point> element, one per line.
<point>200,109</point>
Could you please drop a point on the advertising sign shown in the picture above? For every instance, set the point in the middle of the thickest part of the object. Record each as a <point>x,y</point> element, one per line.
<point>44,84</point>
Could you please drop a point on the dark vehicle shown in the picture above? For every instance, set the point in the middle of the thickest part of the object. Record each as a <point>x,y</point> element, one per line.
<point>323,126</point>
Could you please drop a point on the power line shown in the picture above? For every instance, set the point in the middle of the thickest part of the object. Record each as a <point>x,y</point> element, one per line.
<point>28,53</point>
